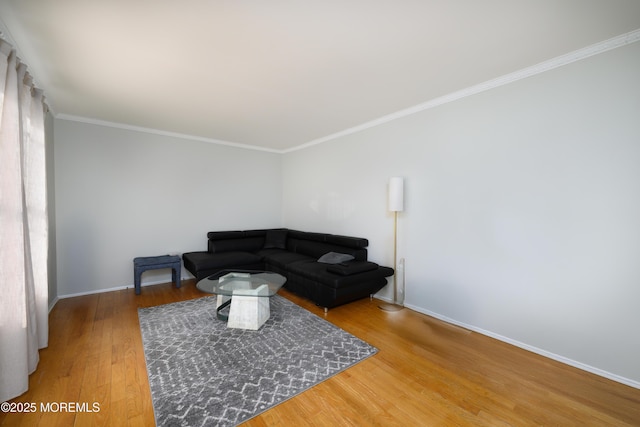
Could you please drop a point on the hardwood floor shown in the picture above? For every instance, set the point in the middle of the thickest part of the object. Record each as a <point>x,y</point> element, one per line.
<point>426,373</point>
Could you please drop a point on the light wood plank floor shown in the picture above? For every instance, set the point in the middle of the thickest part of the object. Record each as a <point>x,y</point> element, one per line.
<point>426,373</point>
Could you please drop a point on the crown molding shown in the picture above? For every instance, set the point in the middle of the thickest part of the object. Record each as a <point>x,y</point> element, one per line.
<point>559,61</point>
<point>104,123</point>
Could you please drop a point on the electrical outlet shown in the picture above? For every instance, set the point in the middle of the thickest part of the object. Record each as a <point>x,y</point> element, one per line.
<point>400,275</point>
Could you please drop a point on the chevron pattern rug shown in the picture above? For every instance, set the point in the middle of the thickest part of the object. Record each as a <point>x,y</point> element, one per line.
<point>203,374</point>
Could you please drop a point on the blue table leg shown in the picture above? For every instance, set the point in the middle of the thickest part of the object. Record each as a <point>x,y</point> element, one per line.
<point>136,278</point>
<point>177,275</point>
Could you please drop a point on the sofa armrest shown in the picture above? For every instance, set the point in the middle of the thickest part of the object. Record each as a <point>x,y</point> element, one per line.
<point>349,268</point>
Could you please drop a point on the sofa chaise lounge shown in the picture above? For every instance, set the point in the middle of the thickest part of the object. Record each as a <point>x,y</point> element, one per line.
<point>328,269</point>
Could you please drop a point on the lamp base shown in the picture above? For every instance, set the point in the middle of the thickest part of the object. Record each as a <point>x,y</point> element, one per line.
<point>390,307</point>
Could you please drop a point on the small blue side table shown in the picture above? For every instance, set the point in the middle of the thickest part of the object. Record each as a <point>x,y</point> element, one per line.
<point>141,264</point>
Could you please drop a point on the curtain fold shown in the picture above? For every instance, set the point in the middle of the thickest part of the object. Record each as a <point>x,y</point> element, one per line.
<point>24,327</point>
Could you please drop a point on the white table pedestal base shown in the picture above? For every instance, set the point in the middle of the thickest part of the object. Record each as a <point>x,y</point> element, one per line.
<point>247,311</point>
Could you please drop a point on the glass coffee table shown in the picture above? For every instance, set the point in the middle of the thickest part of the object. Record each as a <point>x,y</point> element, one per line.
<point>246,293</point>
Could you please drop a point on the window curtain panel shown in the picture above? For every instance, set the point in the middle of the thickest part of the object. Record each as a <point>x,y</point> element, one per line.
<point>24,326</point>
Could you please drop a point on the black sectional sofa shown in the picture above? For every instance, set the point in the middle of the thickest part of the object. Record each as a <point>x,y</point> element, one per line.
<point>328,269</point>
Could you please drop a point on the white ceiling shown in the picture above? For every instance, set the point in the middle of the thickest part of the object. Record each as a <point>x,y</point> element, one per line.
<point>282,73</point>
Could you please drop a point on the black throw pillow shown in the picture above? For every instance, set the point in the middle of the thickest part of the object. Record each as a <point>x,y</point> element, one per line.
<point>275,239</point>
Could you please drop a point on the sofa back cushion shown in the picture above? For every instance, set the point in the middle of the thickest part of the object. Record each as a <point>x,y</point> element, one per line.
<point>311,244</point>
<point>306,235</point>
<point>249,244</point>
<point>235,241</point>
<point>317,249</point>
<point>351,242</point>
<point>335,239</point>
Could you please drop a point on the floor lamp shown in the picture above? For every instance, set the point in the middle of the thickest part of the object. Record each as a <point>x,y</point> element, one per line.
<point>396,204</point>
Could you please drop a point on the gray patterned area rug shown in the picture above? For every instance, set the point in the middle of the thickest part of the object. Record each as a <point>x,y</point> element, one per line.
<point>202,373</point>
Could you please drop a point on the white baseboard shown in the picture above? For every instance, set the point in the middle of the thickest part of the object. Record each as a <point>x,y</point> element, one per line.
<point>385,299</point>
<point>53,303</point>
<point>553,356</point>
<point>117,288</point>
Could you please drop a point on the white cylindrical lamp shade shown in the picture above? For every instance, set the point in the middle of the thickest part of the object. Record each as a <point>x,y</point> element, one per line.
<point>396,194</point>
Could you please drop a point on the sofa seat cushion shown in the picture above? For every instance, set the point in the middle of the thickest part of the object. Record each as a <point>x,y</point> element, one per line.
<point>349,268</point>
<point>318,272</point>
<point>282,258</point>
<point>208,261</point>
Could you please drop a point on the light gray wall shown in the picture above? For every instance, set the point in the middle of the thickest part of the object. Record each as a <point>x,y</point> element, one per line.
<point>522,207</point>
<point>123,193</point>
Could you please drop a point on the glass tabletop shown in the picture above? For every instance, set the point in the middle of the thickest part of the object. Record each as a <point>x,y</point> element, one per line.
<point>233,283</point>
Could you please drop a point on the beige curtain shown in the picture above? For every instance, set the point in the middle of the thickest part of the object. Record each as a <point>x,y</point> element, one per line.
<point>24,326</point>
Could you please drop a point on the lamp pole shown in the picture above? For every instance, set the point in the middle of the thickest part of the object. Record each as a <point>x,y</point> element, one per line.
<point>396,204</point>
